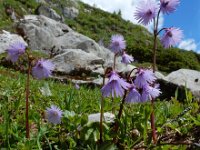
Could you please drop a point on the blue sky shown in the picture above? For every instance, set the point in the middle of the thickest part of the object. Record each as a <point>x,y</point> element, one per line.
<point>186,17</point>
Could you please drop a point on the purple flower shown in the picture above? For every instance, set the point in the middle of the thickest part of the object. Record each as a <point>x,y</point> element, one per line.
<point>54,114</point>
<point>133,96</point>
<point>126,59</point>
<point>117,43</point>
<point>42,69</point>
<point>172,36</point>
<point>168,6</point>
<point>146,12</point>
<point>144,77</point>
<point>15,50</point>
<point>149,93</point>
<point>115,86</point>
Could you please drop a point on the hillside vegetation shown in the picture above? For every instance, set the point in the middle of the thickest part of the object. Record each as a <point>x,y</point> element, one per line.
<point>100,25</point>
<point>42,113</point>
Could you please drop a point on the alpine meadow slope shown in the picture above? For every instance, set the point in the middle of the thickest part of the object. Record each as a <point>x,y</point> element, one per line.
<point>100,25</point>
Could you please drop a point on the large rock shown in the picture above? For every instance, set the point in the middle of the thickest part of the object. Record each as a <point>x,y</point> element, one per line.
<point>45,33</point>
<point>42,31</point>
<point>76,62</point>
<point>188,78</point>
<point>170,90</point>
<point>6,38</point>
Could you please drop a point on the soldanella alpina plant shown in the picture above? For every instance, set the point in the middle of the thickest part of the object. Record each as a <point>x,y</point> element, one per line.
<point>143,86</point>
<point>147,12</point>
<point>132,89</point>
<point>39,69</point>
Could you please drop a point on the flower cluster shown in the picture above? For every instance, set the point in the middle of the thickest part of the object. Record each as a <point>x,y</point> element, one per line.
<point>144,82</point>
<point>140,89</point>
<point>150,9</point>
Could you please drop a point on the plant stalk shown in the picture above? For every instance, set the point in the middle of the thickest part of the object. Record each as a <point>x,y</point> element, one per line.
<point>101,113</point>
<point>153,128</point>
<point>101,119</point>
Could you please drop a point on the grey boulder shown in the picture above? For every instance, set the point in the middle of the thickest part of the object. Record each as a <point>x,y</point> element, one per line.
<point>188,78</point>
<point>42,31</point>
<point>76,62</point>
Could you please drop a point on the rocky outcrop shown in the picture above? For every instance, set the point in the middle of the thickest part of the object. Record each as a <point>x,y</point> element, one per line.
<point>42,31</point>
<point>76,53</point>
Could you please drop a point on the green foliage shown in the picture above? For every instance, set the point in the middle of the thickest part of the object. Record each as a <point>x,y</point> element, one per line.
<point>178,120</point>
<point>100,25</point>
<point>174,59</point>
<point>175,121</point>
